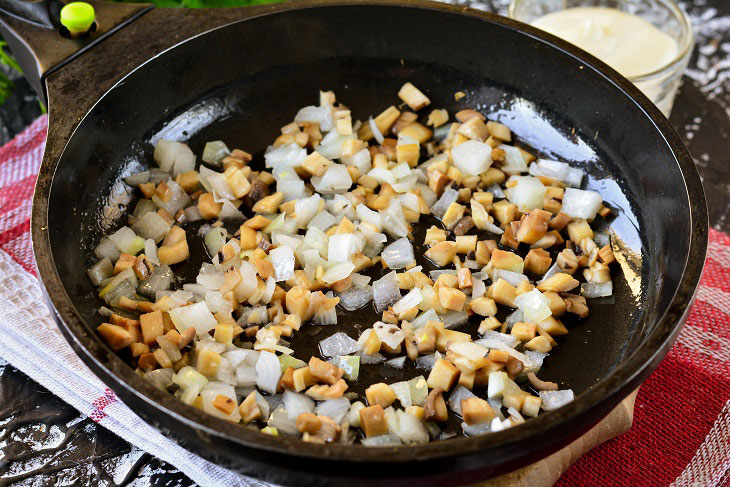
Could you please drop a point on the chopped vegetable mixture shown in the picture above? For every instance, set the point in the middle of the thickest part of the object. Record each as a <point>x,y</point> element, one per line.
<point>336,198</point>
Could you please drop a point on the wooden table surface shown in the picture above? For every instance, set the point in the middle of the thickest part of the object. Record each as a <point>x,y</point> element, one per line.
<point>44,441</point>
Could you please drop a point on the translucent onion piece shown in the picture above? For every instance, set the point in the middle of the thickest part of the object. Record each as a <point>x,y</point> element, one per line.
<point>534,305</point>
<point>514,162</point>
<point>100,271</point>
<point>410,300</point>
<point>323,220</point>
<point>282,258</point>
<point>268,372</point>
<point>336,409</point>
<point>296,404</point>
<point>280,420</point>
<point>319,115</point>
<point>174,157</point>
<point>136,179</point>
<point>210,276</point>
<point>396,363</point>
<point>398,254</point>
<point>214,152</point>
<point>341,247</point>
<point>214,240</point>
<point>472,157</point>
<point>385,291</point>
<point>528,194</point>
<point>197,315</point>
<point>367,215</point>
<point>336,179</point>
<point>556,399</point>
<point>338,344</point>
<point>337,272</point>
<point>150,250</point>
<point>578,203</point>
<point>389,334</point>
<point>439,208</point>
<point>596,290</point>
<point>394,222</point>
<point>306,208</point>
<point>290,155</point>
<point>454,319</point>
<point>377,134</point>
<point>356,297</point>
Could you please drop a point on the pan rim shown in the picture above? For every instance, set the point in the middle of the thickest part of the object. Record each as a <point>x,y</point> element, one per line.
<point>605,393</point>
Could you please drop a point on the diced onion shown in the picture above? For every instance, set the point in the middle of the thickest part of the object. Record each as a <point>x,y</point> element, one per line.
<point>385,292</point>
<point>215,151</point>
<point>410,300</point>
<point>472,157</point>
<point>197,315</point>
<point>596,290</point>
<point>556,399</point>
<point>376,131</point>
<point>528,194</point>
<point>338,344</point>
<point>534,305</point>
<point>282,258</point>
<point>578,203</point>
<point>336,179</point>
<point>268,372</point>
<point>398,254</point>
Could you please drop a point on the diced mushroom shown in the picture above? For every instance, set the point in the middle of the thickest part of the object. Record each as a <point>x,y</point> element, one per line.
<point>115,336</point>
<point>372,421</point>
<point>381,394</point>
<point>434,408</point>
<point>443,375</point>
<point>476,410</point>
<point>249,408</point>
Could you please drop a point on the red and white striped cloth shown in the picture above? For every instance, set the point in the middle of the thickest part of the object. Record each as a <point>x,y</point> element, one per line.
<point>681,431</point>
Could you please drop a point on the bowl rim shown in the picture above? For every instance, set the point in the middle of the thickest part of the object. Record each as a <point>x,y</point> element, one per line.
<point>678,62</point>
<point>603,396</point>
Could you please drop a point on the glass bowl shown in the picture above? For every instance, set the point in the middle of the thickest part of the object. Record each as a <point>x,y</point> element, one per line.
<point>659,85</point>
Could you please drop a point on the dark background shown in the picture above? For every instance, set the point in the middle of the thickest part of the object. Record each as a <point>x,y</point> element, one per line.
<point>44,441</point>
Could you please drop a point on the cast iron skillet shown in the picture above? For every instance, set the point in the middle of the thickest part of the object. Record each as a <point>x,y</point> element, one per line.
<point>240,74</point>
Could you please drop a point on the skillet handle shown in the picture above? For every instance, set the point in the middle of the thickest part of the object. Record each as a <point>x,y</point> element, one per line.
<point>34,33</point>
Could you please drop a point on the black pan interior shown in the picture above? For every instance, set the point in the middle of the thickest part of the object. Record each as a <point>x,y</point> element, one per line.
<point>242,82</point>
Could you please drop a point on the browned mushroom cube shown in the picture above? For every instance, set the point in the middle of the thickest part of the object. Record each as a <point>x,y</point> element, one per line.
<point>208,363</point>
<point>152,326</point>
<point>509,261</point>
<point>533,226</point>
<point>173,254</point>
<point>503,292</point>
<point>302,378</point>
<point>443,375</point>
<point>483,306</point>
<point>249,409</point>
<point>323,371</point>
<point>434,408</point>
<point>381,394</point>
<point>207,207</point>
<point>576,305</point>
<point>316,164</point>
<point>115,336</point>
<point>475,410</point>
<point>372,421</point>
<point>538,261</point>
<point>524,331</point>
<point>499,131</point>
<point>442,253</point>
<point>451,298</point>
<point>559,283</point>
<point>413,97</point>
